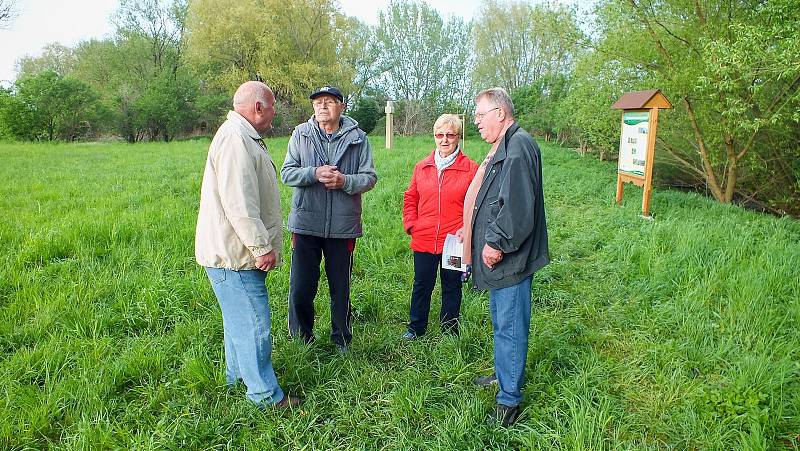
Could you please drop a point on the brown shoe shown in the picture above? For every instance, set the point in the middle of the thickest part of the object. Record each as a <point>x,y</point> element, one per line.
<point>288,401</point>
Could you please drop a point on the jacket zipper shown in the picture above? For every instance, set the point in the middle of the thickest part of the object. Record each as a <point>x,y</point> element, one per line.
<point>329,196</point>
<point>439,209</point>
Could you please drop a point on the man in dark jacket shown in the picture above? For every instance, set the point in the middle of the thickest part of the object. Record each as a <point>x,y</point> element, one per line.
<point>329,164</point>
<point>509,242</point>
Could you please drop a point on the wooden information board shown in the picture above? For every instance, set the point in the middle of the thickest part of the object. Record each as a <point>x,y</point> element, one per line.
<point>638,141</point>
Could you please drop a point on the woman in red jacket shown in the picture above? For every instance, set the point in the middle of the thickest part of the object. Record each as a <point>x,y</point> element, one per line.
<point>433,206</point>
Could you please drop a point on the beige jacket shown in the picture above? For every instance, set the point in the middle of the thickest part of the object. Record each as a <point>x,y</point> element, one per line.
<point>240,212</point>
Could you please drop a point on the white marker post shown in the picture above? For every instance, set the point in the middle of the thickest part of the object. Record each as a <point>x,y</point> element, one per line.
<point>389,123</point>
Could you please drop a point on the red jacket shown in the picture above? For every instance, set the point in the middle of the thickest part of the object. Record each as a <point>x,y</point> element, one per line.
<point>433,206</point>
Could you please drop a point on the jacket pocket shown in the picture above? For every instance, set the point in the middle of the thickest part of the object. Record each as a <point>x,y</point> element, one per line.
<point>494,209</point>
<point>298,198</point>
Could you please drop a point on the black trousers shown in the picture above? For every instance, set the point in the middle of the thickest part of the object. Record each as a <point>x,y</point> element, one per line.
<point>425,269</point>
<point>307,252</point>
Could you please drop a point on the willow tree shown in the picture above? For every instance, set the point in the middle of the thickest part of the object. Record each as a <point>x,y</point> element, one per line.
<point>731,68</point>
<point>517,43</point>
<point>294,47</point>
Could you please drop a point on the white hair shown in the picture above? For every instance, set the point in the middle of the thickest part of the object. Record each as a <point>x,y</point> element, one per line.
<point>498,97</point>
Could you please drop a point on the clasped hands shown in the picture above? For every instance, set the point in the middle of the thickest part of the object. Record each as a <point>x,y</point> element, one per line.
<point>330,177</point>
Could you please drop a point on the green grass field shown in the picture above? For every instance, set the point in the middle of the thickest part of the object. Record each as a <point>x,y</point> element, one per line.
<point>677,333</point>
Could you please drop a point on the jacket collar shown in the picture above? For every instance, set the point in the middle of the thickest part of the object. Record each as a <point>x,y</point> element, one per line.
<point>346,125</point>
<point>246,126</point>
<point>461,163</point>
<point>501,152</point>
<point>499,155</point>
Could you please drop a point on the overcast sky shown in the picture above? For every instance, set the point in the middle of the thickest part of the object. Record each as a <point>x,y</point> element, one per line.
<point>41,22</point>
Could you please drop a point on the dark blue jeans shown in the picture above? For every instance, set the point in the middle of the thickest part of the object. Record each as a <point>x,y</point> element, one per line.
<point>426,265</point>
<point>511,323</point>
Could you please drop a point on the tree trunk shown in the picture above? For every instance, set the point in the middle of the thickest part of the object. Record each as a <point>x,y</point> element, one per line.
<point>730,174</point>
<point>708,169</point>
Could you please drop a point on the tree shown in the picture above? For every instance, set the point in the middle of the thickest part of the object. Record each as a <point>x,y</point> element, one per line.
<point>55,57</point>
<point>595,84</point>
<point>518,43</point>
<point>160,22</point>
<point>358,48</point>
<point>15,118</point>
<point>155,89</point>
<point>537,105</point>
<point>293,47</point>
<point>166,106</point>
<point>57,107</point>
<point>224,40</point>
<point>427,60</point>
<point>7,12</point>
<point>366,112</point>
<point>730,67</point>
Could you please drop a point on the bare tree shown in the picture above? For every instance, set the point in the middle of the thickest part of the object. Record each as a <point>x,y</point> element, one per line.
<point>7,12</point>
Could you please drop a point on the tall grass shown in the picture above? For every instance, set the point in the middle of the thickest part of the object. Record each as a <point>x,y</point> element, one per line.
<point>677,333</point>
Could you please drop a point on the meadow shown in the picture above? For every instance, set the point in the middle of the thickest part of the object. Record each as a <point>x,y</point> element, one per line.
<point>678,333</point>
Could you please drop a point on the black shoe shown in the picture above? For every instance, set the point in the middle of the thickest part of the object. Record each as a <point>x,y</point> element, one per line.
<point>486,381</point>
<point>503,415</point>
<point>408,336</point>
<point>288,402</point>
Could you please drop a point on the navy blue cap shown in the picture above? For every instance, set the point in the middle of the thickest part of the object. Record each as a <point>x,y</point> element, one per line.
<point>329,90</point>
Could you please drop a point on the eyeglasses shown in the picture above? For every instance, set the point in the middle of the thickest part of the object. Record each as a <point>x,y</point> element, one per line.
<point>479,116</point>
<point>319,103</point>
<point>442,135</point>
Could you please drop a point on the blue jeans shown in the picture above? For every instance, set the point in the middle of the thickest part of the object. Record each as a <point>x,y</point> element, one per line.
<point>244,301</point>
<point>511,322</point>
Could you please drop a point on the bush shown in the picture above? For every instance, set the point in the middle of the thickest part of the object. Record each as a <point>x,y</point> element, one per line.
<point>366,112</point>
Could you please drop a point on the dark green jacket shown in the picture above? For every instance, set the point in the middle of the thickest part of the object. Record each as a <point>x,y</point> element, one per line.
<point>509,213</point>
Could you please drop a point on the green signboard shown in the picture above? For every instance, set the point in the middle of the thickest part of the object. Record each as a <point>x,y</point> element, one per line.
<point>633,142</point>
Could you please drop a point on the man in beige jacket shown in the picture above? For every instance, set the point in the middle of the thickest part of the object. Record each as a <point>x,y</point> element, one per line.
<point>239,239</point>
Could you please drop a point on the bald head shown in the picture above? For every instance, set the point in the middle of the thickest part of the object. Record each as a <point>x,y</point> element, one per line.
<point>249,93</point>
<point>255,102</point>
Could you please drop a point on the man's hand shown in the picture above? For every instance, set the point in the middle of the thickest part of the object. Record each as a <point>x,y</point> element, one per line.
<point>491,256</point>
<point>337,182</point>
<point>267,261</point>
<point>330,177</point>
<point>460,235</point>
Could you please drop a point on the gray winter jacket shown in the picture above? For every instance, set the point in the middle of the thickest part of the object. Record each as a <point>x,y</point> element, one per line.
<point>316,210</point>
<point>509,213</point>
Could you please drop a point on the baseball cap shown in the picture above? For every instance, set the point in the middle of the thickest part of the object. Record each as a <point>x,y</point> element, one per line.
<point>329,90</point>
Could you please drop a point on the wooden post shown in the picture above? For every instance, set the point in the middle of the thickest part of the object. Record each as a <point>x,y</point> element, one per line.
<point>651,155</point>
<point>389,123</point>
<point>463,118</point>
<point>637,153</point>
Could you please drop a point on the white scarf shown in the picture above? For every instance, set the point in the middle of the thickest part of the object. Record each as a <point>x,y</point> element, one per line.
<point>444,162</point>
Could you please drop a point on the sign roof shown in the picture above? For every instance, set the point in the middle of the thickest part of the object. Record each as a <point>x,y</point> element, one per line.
<point>652,98</point>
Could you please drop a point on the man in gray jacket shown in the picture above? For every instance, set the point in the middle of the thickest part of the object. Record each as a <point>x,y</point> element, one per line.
<point>509,241</point>
<point>240,238</point>
<point>329,164</point>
